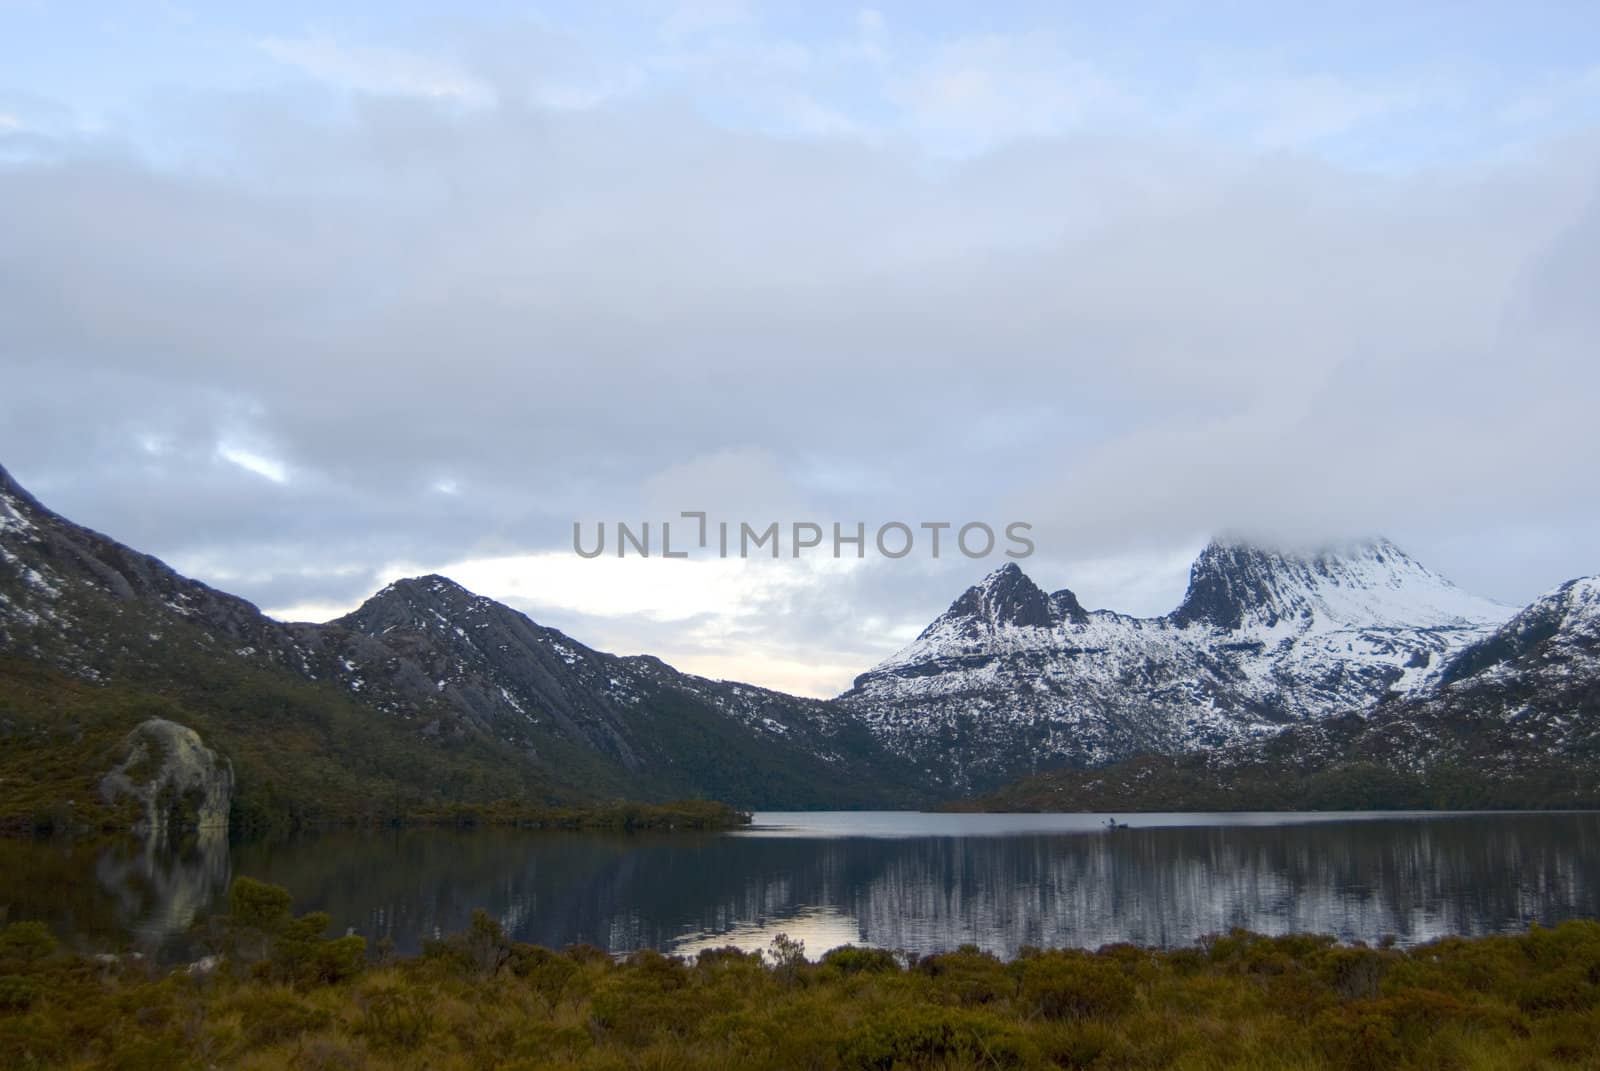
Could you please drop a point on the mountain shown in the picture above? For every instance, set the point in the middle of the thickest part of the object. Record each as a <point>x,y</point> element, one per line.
<point>1010,680</point>
<point>1347,675</point>
<point>426,695</point>
<point>1529,690</point>
<point>1511,720</point>
<point>536,688</point>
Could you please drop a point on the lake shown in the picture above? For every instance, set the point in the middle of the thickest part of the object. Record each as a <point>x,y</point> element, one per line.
<point>918,882</point>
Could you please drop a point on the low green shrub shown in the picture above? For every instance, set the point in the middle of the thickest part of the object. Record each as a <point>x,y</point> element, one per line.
<point>287,997</point>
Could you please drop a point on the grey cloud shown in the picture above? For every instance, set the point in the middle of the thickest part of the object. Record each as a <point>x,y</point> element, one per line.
<point>567,313</point>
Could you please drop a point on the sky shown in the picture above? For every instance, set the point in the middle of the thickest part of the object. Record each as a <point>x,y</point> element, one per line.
<point>304,298</point>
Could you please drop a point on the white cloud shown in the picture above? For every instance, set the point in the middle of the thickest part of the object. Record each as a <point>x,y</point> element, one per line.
<point>250,461</point>
<point>659,590</point>
<point>315,611</point>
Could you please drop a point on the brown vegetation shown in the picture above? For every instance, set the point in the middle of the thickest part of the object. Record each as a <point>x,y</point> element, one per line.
<point>281,995</point>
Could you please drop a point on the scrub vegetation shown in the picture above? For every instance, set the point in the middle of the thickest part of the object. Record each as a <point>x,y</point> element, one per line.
<point>279,993</point>
<point>303,757</point>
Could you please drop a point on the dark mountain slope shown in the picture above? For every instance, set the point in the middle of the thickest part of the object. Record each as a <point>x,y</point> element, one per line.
<point>425,694</point>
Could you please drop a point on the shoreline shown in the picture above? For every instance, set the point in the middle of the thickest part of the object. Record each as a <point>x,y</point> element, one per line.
<point>276,993</point>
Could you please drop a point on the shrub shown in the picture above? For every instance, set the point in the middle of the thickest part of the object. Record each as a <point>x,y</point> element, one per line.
<point>486,943</point>
<point>1354,973</point>
<point>727,956</point>
<point>26,943</point>
<point>787,956</point>
<point>925,1036</point>
<point>546,971</point>
<point>851,959</point>
<point>1075,986</point>
<point>968,976</point>
<point>651,998</point>
<point>271,1016</point>
<point>258,905</point>
<point>482,950</point>
<point>1562,989</point>
<point>1359,1039</point>
<point>17,993</point>
<point>394,1017</point>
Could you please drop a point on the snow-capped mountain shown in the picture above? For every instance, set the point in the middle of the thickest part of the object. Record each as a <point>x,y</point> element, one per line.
<point>1537,677</point>
<point>1511,720</point>
<point>1010,679</point>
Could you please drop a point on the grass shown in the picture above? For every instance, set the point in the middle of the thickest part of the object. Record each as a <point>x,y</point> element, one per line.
<point>283,996</point>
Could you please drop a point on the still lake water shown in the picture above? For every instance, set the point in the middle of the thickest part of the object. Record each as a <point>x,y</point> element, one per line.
<point>919,882</point>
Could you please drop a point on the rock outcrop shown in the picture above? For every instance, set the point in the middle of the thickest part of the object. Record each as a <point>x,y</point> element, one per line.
<point>180,784</point>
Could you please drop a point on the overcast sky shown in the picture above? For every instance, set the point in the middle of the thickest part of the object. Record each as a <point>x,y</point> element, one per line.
<point>302,299</point>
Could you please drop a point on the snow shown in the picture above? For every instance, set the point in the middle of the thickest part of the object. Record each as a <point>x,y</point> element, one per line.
<point>1377,585</point>
<point>12,518</point>
<point>1317,635</point>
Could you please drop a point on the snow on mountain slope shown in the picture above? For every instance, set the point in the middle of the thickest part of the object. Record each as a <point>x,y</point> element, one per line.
<point>1373,584</point>
<point>1010,679</point>
<point>1558,634</point>
<point>1519,705</point>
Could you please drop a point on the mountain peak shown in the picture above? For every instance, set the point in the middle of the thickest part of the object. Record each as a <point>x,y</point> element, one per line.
<point>1006,574</point>
<point>411,602</point>
<point>1006,597</point>
<point>1236,584</point>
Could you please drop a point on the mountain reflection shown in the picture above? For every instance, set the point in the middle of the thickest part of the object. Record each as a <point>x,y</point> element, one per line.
<point>1416,878</point>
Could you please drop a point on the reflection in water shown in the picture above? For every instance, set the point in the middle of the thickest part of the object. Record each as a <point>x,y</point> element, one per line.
<point>158,889</point>
<point>905,887</point>
<point>135,895</point>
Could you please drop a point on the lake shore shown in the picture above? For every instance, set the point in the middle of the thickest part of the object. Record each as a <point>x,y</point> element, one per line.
<point>275,993</point>
<point>926,883</point>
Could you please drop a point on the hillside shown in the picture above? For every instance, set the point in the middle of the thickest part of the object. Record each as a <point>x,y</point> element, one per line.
<point>425,698</point>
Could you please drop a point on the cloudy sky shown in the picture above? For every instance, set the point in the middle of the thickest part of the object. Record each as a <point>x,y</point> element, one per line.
<point>303,298</point>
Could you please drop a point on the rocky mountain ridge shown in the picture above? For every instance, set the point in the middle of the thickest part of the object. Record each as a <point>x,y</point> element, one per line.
<point>1011,680</point>
<point>1510,720</point>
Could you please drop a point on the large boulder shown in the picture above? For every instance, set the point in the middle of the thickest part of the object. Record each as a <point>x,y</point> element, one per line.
<point>180,784</point>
